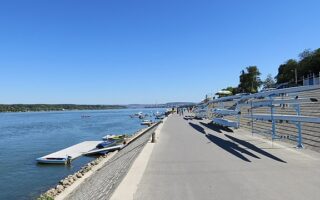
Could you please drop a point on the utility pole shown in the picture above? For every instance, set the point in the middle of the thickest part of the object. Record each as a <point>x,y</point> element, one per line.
<point>253,79</point>
<point>296,75</point>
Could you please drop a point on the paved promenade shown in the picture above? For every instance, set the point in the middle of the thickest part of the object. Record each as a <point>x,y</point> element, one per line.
<point>196,160</point>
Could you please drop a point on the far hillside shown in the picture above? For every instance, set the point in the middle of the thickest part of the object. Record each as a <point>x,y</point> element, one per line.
<point>54,107</point>
<point>165,105</point>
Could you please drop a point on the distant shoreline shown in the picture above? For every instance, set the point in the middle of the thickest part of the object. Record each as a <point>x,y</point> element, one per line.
<point>11,108</point>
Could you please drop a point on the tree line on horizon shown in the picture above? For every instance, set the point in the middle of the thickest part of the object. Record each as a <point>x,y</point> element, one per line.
<point>307,64</point>
<point>53,107</point>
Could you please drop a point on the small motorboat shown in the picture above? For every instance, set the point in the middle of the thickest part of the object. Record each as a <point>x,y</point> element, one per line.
<point>159,115</point>
<point>110,143</point>
<point>139,115</point>
<point>146,122</point>
<point>106,143</point>
<point>113,137</point>
<point>49,160</point>
<point>142,116</point>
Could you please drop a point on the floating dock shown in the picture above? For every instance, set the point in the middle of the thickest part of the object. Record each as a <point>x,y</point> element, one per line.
<point>72,152</point>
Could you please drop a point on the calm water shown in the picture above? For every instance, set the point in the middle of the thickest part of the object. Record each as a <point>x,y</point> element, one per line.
<point>27,136</point>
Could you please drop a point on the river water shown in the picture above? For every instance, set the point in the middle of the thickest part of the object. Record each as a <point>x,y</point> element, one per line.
<point>27,136</point>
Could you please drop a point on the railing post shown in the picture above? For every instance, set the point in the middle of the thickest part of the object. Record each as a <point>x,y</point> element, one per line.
<point>251,118</point>
<point>272,119</point>
<point>298,124</point>
<point>68,160</point>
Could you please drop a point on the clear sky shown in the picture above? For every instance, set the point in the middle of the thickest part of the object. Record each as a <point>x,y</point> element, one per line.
<point>144,51</point>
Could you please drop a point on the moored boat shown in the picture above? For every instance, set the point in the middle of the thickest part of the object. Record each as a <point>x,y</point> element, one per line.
<point>139,115</point>
<point>146,122</point>
<point>106,143</point>
<point>113,137</point>
<point>52,160</point>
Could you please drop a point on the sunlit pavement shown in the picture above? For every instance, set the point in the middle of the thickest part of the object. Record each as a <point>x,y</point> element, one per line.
<point>194,159</point>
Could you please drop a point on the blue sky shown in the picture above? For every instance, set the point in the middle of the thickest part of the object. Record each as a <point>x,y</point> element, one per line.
<point>144,51</point>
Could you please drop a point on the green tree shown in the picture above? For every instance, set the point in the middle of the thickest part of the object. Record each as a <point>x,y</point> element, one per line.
<point>305,54</point>
<point>286,71</point>
<point>269,82</point>
<point>250,80</point>
<point>309,63</point>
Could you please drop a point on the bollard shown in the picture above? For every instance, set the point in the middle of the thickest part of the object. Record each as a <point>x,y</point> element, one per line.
<point>69,160</point>
<point>153,137</point>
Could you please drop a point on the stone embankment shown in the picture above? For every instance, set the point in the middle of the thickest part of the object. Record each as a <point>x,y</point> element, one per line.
<point>74,178</point>
<point>99,178</point>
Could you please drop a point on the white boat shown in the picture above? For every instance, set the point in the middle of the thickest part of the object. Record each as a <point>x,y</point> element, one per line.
<point>146,122</point>
<point>107,137</point>
<point>113,137</point>
<point>159,115</point>
<point>52,160</point>
<point>139,115</point>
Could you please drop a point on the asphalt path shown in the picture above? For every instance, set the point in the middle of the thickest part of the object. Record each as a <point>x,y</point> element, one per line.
<point>194,159</point>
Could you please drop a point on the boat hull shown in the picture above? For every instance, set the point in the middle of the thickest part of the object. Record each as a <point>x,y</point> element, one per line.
<point>52,161</point>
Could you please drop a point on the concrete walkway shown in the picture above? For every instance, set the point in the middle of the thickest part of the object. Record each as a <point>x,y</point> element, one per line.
<point>195,160</point>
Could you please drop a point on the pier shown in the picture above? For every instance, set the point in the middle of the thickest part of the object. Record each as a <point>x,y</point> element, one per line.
<point>73,152</point>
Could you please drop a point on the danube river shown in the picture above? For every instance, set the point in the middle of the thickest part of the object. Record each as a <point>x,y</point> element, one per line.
<point>27,136</point>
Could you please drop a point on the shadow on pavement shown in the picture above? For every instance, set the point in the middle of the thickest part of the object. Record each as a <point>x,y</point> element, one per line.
<point>197,127</point>
<point>227,145</point>
<point>216,128</point>
<point>231,147</point>
<point>255,148</point>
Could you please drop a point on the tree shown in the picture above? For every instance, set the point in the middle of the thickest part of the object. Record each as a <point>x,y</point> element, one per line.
<point>250,80</point>
<point>286,71</point>
<point>269,82</point>
<point>305,54</point>
<point>309,63</point>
